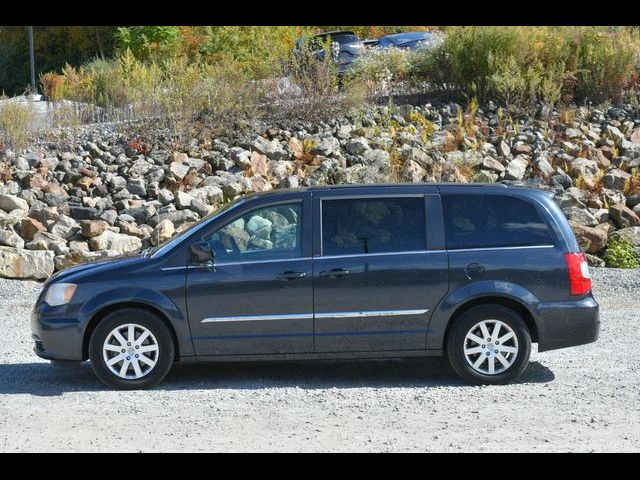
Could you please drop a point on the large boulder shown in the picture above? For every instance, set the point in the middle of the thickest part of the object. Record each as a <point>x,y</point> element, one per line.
<point>587,169</point>
<point>624,216</point>
<point>118,242</point>
<point>271,148</point>
<point>327,147</point>
<point>163,232</point>
<point>632,234</point>
<point>357,146</point>
<point>65,227</point>
<point>259,226</point>
<point>412,172</point>
<point>31,264</point>
<point>48,241</point>
<point>93,228</point>
<point>29,227</point>
<point>11,202</point>
<point>77,257</point>
<point>615,179</point>
<point>10,238</point>
<point>516,168</point>
<point>590,239</point>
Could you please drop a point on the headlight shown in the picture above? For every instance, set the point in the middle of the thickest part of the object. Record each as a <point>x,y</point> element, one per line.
<point>60,294</point>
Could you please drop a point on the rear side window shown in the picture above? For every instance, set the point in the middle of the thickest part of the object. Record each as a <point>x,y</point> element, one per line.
<point>484,221</point>
<point>376,225</point>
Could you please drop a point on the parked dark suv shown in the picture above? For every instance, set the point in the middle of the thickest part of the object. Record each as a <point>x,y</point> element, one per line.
<point>475,272</point>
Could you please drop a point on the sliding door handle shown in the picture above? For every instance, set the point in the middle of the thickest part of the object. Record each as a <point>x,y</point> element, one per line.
<point>291,275</point>
<point>335,273</point>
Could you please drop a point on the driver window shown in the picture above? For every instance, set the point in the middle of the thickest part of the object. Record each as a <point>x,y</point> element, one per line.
<point>268,233</point>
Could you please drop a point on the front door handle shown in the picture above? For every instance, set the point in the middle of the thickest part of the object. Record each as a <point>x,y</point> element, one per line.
<point>335,273</point>
<point>291,275</point>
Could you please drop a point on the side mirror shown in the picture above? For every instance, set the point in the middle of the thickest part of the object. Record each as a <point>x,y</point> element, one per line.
<point>201,254</point>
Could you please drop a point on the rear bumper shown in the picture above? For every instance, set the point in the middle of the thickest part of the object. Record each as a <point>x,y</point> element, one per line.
<point>567,324</point>
<point>57,338</point>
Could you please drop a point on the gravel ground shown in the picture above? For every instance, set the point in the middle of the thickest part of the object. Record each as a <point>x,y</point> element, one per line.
<point>580,399</point>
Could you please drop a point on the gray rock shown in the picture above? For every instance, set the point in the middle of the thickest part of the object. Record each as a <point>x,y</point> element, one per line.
<point>357,146</point>
<point>271,148</point>
<point>65,227</point>
<point>503,149</point>
<point>137,186</point>
<point>412,172</point>
<point>633,200</point>
<point>210,195</point>
<point>78,257</point>
<point>48,241</point>
<point>581,216</point>
<point>588,169</point>
<point>83,213</point>
<point>78,246</point>
<point>485,176</point>
<point>543,165</point>
<point>117,242</point>
<point>327,147</point>
<point>93,228</point>
<point>163,231</point>
<point>36,265</point>
<point>614,134</point>
<point>165,196</point>
<point>241,157</point>
<point>259,226</point>
<point>11,202</point>
<point>178,218</point>
<point>289,182</point>
<point>632,234</point>
<point>109,216</point>
<point>9,238</point>
<point>117,183</point>
<point>489,163</point>
<point>590,239</point>
<point>179,170</point>
<point>615,179</point>
<point>183,200</point>
<point>624,216</point>
<point>516,168</point>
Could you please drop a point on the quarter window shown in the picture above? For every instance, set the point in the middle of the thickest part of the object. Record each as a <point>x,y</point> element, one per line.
<point>377,225</point>
<point>492,221</point>
<point>268,233</point>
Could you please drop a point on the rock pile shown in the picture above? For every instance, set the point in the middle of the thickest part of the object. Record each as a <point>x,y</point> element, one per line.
<point>105,195</point>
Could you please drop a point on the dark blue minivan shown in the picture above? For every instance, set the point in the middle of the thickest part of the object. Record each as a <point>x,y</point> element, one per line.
<point>474,272</point>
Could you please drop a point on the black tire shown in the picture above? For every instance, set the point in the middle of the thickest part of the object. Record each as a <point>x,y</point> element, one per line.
<point>456,344</point>
<point>148,320</point>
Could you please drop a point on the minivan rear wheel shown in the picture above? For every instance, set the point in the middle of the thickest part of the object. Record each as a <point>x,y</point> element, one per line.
<point>131,349</point>
<point>489,344</point>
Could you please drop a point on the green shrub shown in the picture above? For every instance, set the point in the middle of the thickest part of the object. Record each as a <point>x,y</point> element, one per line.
<point>379,68</point>
<point>621,253</point>
<point>15,123</point>
<point>523,65</point>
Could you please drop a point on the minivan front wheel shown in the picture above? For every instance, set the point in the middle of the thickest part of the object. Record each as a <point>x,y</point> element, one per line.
<point>489,344</point>
<point>131,349</point>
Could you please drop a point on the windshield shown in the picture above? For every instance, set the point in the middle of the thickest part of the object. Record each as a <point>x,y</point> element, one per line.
<point>167,245</point>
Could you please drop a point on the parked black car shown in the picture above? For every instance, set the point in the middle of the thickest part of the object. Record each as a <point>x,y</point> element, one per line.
<point>345,47</point>
<point>474,272</point>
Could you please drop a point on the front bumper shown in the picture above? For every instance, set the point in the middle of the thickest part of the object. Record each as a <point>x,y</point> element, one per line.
<point>57,337</point>
<point>567,324</point>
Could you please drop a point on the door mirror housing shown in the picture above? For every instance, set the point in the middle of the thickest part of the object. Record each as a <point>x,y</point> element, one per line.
<point>201,253</point>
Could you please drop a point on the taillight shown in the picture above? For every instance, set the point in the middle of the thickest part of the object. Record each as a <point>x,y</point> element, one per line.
<point>579,277</point>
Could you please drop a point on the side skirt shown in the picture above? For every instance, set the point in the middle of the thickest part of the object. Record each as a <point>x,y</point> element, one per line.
<point>314,356</point>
